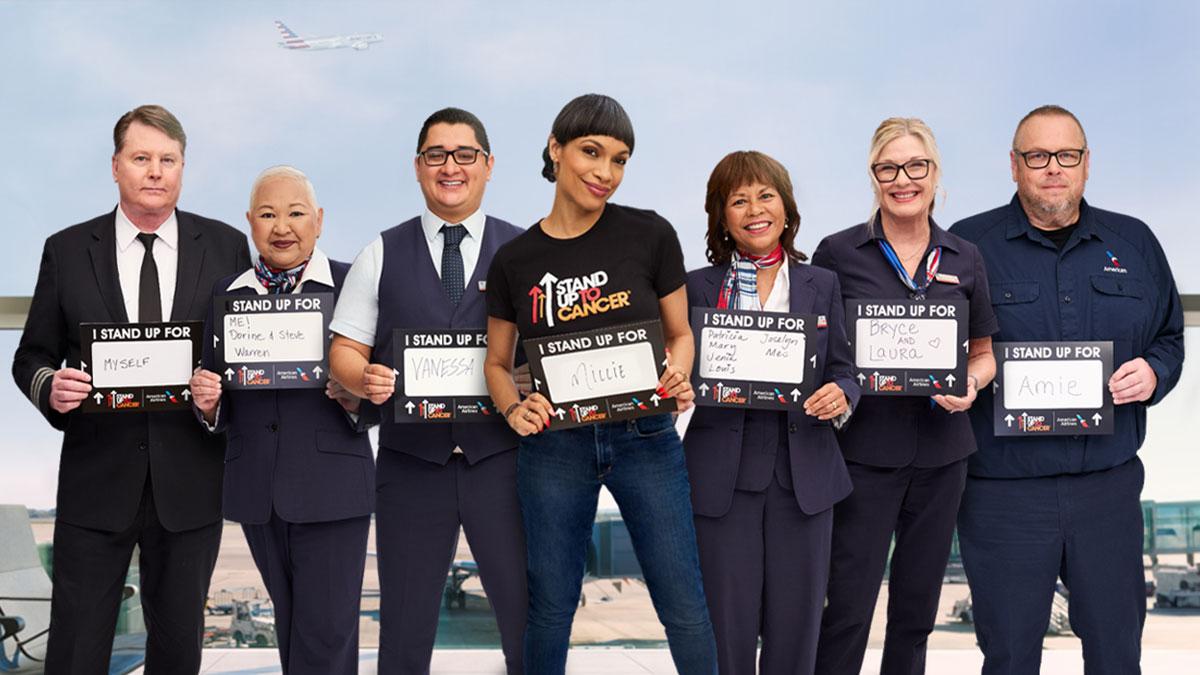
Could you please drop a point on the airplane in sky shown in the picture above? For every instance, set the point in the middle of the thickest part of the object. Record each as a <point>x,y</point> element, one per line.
<point>358,41</point>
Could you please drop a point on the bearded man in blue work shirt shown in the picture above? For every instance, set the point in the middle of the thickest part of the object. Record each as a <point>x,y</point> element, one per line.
<point>1038,508</point>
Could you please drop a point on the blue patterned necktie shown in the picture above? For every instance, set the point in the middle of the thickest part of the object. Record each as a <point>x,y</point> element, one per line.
<point>452,262</point>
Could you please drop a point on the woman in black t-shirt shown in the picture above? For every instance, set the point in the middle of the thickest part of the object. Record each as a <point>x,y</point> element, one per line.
<point>587,265</point>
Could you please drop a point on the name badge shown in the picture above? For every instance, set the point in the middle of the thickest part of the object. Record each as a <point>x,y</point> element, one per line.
<point>945,278</point>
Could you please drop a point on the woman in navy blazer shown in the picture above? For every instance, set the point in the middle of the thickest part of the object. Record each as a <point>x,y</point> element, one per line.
<point>299,473</point>
<point>906,454</point>
<point>764,482</point>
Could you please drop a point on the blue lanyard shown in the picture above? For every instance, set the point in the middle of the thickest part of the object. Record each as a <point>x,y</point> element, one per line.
<point>931,267</point>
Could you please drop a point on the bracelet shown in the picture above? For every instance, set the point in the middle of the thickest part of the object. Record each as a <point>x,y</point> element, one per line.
<point>976,379</point>
<point>509,410</point>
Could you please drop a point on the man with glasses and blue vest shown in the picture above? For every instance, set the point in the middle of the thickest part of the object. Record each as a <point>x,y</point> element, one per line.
<point>429,273</point>
<point>1039,508</point>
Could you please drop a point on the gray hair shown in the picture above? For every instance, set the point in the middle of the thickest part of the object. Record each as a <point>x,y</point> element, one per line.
<point>284,171</point>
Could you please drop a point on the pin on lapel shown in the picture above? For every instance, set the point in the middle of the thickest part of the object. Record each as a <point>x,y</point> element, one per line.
<point>483,287</point>
<point>945,278</point>
<point>822,322</point>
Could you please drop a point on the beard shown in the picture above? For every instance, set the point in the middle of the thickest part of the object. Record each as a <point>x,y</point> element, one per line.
<point>1050,209</point>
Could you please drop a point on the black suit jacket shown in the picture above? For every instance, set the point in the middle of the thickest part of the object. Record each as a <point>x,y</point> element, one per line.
<point>106,456</point>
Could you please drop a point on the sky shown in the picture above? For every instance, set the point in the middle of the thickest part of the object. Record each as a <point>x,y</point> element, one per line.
<point>805,82</point>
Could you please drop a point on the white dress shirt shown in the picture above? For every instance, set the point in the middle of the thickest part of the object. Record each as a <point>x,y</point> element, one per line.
<point>130,252</point>
<point>358,306</point>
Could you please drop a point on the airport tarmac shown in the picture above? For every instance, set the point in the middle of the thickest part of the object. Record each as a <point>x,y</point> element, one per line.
<point>618,612</point>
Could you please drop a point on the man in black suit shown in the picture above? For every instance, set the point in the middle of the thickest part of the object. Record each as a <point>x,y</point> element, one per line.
<point>150,479</point>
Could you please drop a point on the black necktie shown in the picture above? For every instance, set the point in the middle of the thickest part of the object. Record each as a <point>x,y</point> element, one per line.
<point>149,298</point>
<point>452,262</point>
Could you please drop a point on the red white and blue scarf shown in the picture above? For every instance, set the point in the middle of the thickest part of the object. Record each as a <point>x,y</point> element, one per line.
<point>278,281</point>
<point>740,287</point>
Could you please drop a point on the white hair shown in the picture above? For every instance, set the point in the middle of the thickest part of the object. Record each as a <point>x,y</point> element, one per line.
<point>284,171</point>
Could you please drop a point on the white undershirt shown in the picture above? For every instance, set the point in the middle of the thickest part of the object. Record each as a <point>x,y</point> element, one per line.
<point>780,297</point>
<point>357,310</point>
<point>130,252</point>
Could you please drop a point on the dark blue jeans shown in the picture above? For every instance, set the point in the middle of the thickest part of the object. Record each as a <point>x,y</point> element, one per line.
<point>559,474</point>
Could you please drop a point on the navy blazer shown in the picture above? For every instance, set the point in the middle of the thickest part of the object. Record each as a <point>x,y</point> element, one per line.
<point>294,451</point>
<point>713,441</point>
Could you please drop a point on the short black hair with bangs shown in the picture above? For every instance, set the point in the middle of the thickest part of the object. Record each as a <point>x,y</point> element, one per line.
<point>588,115</point>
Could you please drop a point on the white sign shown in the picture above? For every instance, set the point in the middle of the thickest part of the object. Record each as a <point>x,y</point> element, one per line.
<point>1052,385</point>
<point>756,355</point>
<point>276,337</point>
<point>906,343</point>
<point>444,371</point>
<point>600,372</point>
<point>142,363</point>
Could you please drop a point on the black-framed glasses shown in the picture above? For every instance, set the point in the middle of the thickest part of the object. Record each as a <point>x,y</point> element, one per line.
<point>1040,159</point>
<point>886,172</point>
<point>462,156</point>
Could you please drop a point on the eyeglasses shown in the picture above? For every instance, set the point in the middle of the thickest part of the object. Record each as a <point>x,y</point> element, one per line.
<point>462,156</point>
<point>886,172</point>
<point>1040,159</point>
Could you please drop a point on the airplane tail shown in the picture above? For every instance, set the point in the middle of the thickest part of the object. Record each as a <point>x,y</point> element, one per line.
<point>290,39</point>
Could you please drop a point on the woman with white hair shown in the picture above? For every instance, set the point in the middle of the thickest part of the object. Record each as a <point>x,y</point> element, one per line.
<point>299,473</point>
<point>907,455</point>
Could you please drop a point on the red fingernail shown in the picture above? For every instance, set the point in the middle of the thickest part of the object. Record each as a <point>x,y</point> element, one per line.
<point>547,425</point>
<point>660,391</point>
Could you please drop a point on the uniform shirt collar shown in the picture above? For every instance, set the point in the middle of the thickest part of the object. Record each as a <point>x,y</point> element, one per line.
<point>431,225</point>
<point>126,232</point>
<point>317,271</point>
<point>937,236</point>
<point>1019,224</point>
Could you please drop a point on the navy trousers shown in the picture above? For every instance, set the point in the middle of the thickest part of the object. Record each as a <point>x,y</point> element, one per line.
<point>314,573</point>
<point>419,508</point>
<point>919,506</point>
<point>1018,535</point>
<point>765,564</point>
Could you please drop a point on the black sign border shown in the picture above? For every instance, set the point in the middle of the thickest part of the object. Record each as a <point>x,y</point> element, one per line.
<point>907,375</point>
<point>1106,411</point>
<point>221,310</point>
<point>484,408</point>
<point>791,402</point>
<point>628,406</point>
<point>183,400</point>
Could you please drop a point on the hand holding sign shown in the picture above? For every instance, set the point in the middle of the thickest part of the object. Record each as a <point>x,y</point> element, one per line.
<point>1134,381</point>
<point>206,392</point>
<point>827,402</point>
<point>378,383</point>
<point>674,383</point>
<point>68,388</point>
<point>531,415</point>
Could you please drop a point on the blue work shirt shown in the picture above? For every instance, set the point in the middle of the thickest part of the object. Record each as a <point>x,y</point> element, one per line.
<point>1110,281</point>
<point>897,431</point>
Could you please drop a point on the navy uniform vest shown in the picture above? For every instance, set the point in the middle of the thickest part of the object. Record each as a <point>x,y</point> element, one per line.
<point>292,450</point>
<point>411,296</point>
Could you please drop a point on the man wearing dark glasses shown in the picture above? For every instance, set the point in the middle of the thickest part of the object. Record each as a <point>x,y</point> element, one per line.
<point>429,273</point>
<point>1039,508</point>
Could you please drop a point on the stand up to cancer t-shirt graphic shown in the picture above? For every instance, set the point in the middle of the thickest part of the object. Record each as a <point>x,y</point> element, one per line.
<point>556,301</point>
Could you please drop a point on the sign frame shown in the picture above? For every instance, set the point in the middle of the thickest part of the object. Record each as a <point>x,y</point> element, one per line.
<point>1053,420</point>
<point>164,396</point>
<point>607,407</point>
<point>743,393</point>
<point>425,409</point>
<point>910,381</point>
<point>267,373</point>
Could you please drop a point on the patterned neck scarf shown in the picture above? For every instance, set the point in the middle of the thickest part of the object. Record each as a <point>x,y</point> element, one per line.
<point>740,288</point>
<point>275,281</point>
